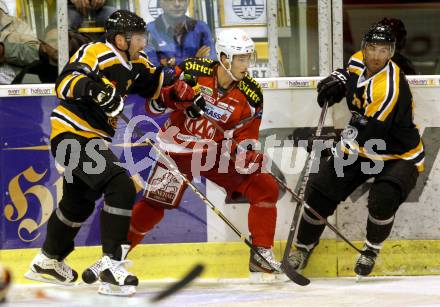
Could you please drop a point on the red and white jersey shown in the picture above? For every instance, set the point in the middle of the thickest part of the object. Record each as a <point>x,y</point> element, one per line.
<point>238,111</point>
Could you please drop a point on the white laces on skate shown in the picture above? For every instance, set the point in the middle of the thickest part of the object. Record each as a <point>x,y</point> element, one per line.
<point>365,260</point>
<point>96,267</point>
<point>51,270</point>
<point>298,258</point>
<point>117,276</point>
<point>59,266</point>
<point>118,268</point>
<point>268,254</point>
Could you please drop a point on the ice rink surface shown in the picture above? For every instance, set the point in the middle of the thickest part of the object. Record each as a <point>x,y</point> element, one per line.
<point>373,291</point>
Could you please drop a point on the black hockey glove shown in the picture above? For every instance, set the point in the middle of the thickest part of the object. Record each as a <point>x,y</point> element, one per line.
<point>107,97</point>
<point>199,104</point>
<point>332,88</point>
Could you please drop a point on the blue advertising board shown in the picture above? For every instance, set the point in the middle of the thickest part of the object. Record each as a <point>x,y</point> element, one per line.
<point>31,185</point>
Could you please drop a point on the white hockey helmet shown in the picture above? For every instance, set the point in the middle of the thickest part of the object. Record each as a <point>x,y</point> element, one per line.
<point>233,42</point>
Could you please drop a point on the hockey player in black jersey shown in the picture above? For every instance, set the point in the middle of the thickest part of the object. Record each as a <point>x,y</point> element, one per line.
<point>91,89</point>
<point>381,103</point>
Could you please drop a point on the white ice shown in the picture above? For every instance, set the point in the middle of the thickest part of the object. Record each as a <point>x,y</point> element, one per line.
<point>372,291</point>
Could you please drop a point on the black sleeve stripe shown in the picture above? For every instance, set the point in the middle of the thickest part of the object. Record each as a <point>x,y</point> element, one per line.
<point>66,88</point>
<point>356,63</point>
<point>80,53</point>
<point>106,56</point>
<point>369,90</point>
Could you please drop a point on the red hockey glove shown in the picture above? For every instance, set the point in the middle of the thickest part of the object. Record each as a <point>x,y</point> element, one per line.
<point>183,91</point>
<point>179,96</point>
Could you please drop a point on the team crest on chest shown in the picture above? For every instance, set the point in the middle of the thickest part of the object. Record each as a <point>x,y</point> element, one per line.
<point>200,127</point>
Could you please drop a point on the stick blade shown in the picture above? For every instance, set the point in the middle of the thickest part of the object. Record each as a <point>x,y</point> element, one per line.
<point>294,275</point>
<point>187,279</point>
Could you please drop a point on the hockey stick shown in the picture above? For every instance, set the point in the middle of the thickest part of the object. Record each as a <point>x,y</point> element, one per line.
<point>196,271</point>
<point>86,299</point>
<point>302,188</point>
<point>282,184</point>
<point>290,273</point>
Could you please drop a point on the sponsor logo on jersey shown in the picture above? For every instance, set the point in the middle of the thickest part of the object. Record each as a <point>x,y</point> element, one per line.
<point>248,9</point>
<point>200,127</point>
<point>222,105</point>
<point>193,65</point>
<point>250,93</point>
<point>209,98</point>
<point>206,90</point>
<point>217,113</point>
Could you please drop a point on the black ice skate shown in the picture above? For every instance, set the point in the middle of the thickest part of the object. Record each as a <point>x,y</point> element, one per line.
<point>299,258</point>
<point>91,274</point>
<point>115,279</point>
<point>365,262</point>
<point>51,270</point>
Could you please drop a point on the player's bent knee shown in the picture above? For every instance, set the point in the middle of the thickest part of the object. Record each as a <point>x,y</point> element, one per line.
<point>321,203</point>
<point>120,191</point>
<point>384,199</point>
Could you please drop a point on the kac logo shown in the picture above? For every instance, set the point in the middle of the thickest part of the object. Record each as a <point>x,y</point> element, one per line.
<point>248,9</point>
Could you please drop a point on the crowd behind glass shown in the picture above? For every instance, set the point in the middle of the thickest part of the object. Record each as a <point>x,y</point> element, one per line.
<point>184,28</point>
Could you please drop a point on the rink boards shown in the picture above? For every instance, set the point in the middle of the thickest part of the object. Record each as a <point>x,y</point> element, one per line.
<point>31,188</point>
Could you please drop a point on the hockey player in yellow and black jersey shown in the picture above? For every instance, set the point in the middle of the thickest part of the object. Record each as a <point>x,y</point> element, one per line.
<point>91,89</point>
<point>383,136</point>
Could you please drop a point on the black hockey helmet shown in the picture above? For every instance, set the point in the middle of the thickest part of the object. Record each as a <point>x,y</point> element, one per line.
<point>399,30</point>
<point>380,34</point>
<point>124,22</point>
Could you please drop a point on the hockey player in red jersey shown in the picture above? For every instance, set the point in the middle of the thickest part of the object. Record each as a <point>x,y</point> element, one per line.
<point>233,100</point>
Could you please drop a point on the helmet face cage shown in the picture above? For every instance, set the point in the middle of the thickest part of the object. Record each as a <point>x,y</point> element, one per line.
<point>380,34</point>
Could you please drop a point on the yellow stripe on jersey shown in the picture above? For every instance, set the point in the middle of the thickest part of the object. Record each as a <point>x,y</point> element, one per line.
<point>62,85</point>
<point>71,120</point>
<point>409,155</point>
<point>144,60</point>
<point>59,127</point>
<point>383,90</point>
<point>68,82</point>
<point>88,54</point>
<point>356,63</point>
<point>109,63</point>
<point>157,92</point>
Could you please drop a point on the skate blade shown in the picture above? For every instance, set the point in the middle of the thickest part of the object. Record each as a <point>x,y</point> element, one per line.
<point>46,278</point>
<point>261,277</point>
<point>360,278</point>
<point>115,290</point>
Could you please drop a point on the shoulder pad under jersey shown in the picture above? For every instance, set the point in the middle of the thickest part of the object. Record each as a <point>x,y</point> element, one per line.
<point>198,67</point>
<point>252,90</point>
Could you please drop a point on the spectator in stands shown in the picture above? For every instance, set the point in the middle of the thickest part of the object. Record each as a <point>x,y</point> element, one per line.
<point>80,11</point>
<point>18,46</point>
<point>46,67</point>
<point>399,30</point>
<point>175,36</point>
